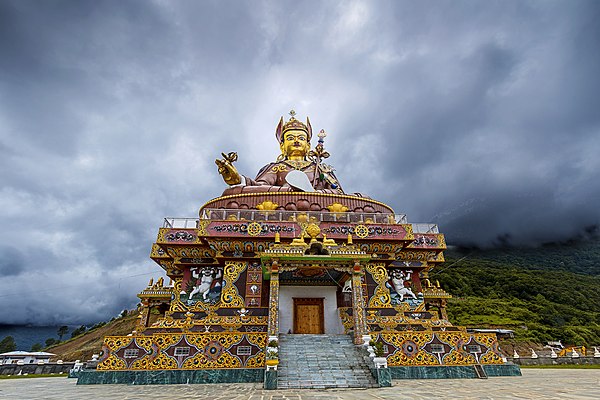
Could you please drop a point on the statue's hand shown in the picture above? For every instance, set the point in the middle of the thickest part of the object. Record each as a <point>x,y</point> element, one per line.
<point>227,170</point>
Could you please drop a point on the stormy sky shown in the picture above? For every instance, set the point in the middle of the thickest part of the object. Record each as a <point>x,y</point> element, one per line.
<point>481,116</point>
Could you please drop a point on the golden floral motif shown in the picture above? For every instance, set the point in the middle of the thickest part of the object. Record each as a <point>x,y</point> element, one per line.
<point>201,361</point>
<point>162,361</point>
<point>347,321</point>
<point>267,205</point>
<point>257,361</point>
<point>337,207</point>
<point>160,342</point>
<point>230,298</point>
<point>402,351</point>
<point>279,168</point>
<point>202,224</point>
<point>381,298</point>
<point>111,363</point>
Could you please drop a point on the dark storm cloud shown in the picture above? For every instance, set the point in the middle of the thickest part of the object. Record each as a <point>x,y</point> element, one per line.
<point>11,261</point>
<point>479,116</point>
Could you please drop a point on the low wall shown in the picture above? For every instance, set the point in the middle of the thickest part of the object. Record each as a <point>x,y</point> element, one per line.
<point>557,361</point>
<point>168,377</point>
<point>452,372</point>
<point>36,369</point>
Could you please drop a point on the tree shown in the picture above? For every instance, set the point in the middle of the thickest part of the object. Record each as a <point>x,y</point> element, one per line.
<point>62,331</point>
<point>36,347</point>
<point>79,331</point>
<point>50,342</point>
<point>8,344</point>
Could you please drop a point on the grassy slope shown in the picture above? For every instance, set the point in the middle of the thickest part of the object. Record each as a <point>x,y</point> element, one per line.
<point>84,346</point>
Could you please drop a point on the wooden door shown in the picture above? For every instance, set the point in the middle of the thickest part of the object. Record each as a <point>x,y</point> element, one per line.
<point>308,315</point>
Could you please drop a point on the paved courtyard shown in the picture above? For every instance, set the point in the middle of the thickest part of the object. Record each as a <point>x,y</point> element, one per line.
<point>534,384</point>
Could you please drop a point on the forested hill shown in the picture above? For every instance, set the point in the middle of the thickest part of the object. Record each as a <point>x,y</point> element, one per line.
<point>581,257</point>
<point>546,293</point>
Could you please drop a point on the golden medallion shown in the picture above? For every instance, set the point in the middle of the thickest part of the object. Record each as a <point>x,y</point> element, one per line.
<point>254,229</point>
<point>361,231</point>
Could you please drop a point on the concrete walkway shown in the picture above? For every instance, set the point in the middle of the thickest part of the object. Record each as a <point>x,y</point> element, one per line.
<point>534,384</point>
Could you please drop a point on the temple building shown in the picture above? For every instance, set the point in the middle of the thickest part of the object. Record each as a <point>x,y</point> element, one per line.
<point>283,263</point>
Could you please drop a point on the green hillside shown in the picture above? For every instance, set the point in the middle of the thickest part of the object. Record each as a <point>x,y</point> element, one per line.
<point>547,293</point>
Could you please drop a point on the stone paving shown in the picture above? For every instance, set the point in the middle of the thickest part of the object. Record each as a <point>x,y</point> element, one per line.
<point>534,384</point>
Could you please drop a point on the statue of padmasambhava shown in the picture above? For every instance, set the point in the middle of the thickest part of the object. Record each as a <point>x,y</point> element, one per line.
<point>296,169</point>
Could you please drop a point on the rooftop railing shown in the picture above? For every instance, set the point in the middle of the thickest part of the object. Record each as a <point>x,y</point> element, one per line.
<point>425,228</point>
<point>320,216</point>
<point>180,223</point>
<point>278,215</point>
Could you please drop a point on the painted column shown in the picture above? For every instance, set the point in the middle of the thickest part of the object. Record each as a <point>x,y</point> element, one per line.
<point>145,320</point>
<point>443,313</point>
<point>358,305</point>
<point>274,300</point>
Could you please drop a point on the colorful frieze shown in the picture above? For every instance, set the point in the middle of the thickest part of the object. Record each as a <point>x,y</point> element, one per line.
<point>285,229</point>
<point>238,322</point>
<point>190,251</point>
<point>238,248</point>
<point>422,348</point>
<point>158,252</point>
<point>424,320</point>
<point>420,255</point>
<point>165,351</point>
<point>338,230</point>
<point>428,241</point>
<point>177,236</point>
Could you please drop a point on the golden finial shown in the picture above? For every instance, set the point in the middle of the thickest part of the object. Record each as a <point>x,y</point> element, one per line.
<point>292,113</point>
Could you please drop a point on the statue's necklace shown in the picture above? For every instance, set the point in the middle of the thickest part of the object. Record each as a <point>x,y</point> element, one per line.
<point>297,164</point>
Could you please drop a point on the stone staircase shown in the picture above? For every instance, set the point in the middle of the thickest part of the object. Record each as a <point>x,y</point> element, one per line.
<point>320,362</point>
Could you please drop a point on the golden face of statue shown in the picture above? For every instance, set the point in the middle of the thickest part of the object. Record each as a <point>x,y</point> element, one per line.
<point>295,144</point>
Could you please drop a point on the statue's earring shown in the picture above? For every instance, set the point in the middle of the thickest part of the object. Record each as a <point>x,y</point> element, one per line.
<point>282,156</point>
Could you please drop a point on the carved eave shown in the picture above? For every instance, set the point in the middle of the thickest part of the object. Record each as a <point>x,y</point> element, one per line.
<point>156,291</point>
<point>152,294</point>
<point>435,293</point>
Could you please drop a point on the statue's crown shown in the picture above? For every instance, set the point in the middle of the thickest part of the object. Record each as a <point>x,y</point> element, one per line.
<point>292,124</point>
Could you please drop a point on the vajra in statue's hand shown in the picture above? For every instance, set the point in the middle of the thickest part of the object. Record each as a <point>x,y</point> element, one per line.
<point>227,170</point>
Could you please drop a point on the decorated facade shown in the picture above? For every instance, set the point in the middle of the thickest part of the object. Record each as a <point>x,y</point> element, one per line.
<point>289,252</point>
